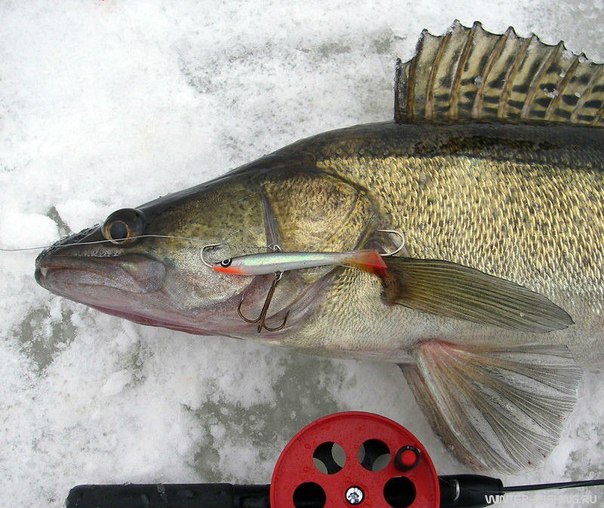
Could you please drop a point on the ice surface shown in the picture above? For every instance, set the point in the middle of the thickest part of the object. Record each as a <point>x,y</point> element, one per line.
<point>105,104</point>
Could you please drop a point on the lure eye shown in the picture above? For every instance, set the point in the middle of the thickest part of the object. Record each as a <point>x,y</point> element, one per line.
<point>226,262</point>
<point>123,226</point>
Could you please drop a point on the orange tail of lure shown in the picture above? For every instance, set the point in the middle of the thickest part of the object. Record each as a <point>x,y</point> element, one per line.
<point>369,261</point>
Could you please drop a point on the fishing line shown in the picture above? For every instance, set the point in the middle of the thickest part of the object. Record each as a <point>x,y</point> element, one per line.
<point>102,241</point>
<point>96,242</point>
<point>560,485</point>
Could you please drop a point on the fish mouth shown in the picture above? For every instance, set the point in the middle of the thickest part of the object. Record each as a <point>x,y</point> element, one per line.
<point>111,285</point>
<point>131,273</point>
<point>139,287</point>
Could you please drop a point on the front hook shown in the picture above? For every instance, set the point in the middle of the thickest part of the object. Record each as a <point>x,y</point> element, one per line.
<point>203,249</point>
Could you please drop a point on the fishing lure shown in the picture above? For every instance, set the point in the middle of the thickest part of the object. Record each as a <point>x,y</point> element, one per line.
<point>369,260</point>
<point>277,262</point>
<point>273,262</point>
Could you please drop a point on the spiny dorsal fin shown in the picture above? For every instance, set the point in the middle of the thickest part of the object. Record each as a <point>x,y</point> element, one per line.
<point>469,74</point>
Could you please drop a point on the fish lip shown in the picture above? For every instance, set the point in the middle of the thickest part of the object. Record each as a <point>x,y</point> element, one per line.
<point>186,326</point>
<point>60,275</point>
<point>58,272</point>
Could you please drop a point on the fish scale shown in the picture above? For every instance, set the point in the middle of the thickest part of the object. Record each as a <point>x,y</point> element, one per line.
<point>474,209</point>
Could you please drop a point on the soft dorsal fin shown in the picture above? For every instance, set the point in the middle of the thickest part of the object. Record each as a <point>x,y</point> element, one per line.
<point>469,74</point>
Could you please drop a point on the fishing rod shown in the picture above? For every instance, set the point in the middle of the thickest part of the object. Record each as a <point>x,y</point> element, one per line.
<point>343,460</point>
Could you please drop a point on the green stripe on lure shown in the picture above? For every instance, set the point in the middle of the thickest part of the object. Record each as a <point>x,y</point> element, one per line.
<point>271,262</point>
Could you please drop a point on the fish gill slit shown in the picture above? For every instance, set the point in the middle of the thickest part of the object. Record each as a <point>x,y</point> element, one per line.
<point>271,227</point>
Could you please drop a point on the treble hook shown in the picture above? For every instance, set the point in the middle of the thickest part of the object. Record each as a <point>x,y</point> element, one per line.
<point>261,319</point>
<point>399,248</point>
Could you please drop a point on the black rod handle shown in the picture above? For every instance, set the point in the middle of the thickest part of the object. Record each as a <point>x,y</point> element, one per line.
<point>158,495</point>
<point>469,491</point>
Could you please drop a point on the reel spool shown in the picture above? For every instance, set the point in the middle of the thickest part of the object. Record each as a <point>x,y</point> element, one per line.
<point>354,458</point>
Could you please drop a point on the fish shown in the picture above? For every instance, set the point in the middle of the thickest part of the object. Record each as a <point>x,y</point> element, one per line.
<point>267,263</point>
<point>493,169</point>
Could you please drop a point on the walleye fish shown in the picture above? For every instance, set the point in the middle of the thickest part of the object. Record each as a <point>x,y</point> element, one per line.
<point>494,171</point>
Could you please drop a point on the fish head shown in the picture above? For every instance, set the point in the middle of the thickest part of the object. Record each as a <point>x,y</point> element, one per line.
<point>146,265</point>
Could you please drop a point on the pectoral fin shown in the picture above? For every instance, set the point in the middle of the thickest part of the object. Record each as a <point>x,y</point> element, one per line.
<point>457,291</point>
<point>496,408</point>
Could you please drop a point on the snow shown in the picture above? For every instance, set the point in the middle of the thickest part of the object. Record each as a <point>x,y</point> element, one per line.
<point>107,104</point>
<point>26,230</point>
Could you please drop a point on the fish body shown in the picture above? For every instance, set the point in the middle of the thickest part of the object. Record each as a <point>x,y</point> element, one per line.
<point>503,199</point>
<point>263,264</point>
<point>499,192</point>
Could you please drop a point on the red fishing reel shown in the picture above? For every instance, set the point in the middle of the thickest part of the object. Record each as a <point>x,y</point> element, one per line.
<point>339,461</point>
<point>354,459</point>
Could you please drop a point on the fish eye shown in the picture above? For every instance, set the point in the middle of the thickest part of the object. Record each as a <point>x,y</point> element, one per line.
<point>123,226</point>
<point>118,230</point>
<point>226,262</point>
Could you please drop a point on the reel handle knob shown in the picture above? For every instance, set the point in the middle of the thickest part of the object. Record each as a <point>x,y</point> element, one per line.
<point>407,458</point>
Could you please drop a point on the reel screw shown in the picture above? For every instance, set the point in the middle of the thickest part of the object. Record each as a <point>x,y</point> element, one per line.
<point>354,495</point>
